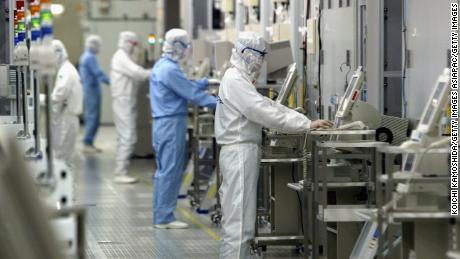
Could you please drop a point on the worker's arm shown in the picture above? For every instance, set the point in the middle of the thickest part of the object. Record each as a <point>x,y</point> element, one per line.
<point>131,69</point>
<point>244,97</point>
<point>201,83</point>
<point>177,82</point>
<point>279,105</point>
<point>94,68</point>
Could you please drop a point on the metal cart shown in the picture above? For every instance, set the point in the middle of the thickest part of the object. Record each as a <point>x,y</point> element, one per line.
<point>421,216</point>
<point>339,180</point>
<point>279,210</point>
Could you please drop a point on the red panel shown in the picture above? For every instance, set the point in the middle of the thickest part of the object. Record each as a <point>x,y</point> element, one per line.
<point>355,95</point>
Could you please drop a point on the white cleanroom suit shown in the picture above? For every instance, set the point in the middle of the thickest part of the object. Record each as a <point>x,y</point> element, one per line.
<point>241,113</point>
<point>67,102</point>
<point>124,76</point>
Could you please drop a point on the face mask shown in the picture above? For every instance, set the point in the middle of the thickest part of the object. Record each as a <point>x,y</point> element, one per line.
<point>56,60</point>
<point>59,58</point>
<point>183,51</point>
<point>254,78</point>
<point>254,64</point>
<point>248,60</point>
<point>179,55</point>
<point>253,60</point>
<point>188,53</point>
<point>132,45</point>
<point>136,54</point>
<point>132,50</point>
<point>95,49</point>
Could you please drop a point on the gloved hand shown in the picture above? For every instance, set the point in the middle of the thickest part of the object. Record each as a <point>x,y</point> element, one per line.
<point>321,124</point>
<point>214,81</point>
<point>203,81</point>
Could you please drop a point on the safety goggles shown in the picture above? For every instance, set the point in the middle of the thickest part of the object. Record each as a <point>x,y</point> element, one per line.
<point>133,43</point>
<point>184,45</point>
<point>261,53</point>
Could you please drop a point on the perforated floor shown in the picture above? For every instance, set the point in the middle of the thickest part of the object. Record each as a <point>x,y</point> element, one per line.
<point>119,217</point>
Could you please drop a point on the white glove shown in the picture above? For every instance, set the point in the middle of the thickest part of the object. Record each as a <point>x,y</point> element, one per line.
<point>213,81</point>
<point>321,124</point>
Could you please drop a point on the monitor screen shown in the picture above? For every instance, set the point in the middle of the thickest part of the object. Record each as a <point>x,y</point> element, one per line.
<point>350,86</point>
<point>288,84</point>
<point>431,108</point>
<point>348,92</point>
<point>410,159</point>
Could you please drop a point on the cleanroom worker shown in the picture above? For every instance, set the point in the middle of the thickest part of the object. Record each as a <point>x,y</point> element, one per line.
<point>124,76</point>
<point>170,92</point>
<point>91,77</point>
<point>67,102</point>
<point>240,115</point>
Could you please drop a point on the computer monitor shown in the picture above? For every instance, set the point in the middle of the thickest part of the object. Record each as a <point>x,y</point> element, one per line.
<point>351,94</point>
<point>430,118</point>
<point>436,104</point>
<point>409,162</point>
<point>279,56</point>
<point>288,84</point>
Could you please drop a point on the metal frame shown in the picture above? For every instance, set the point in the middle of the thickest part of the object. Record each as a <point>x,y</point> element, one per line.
<point>385,188</point>
<point>196,137</point>
<point>316,185</point>
<point>375,52</point>
<point>271,159</point>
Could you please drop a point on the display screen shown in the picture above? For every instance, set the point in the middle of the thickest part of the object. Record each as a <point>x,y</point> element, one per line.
<point>437,94</point>
<point>409,162</point>
<point>347,93</point>
<point>288,84</point>
<point>350,87</point>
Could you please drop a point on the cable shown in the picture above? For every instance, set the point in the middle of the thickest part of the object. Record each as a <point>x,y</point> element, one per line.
<point>347,74</point>
<point>305,58</point>
<point>298,197</point>
<point>305,55</point>
<point>404,56</point>
<point>319,64</point>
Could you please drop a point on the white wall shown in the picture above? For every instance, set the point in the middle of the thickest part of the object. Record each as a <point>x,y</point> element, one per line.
<point>428,38</point>
<point>71,38</point>
<point>338,33</point>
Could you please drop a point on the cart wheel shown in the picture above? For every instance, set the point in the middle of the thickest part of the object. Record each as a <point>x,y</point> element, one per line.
<point>256,250</point>
<point>216,218</point>
<point>262,222</point>
<point>264,248</point>
<point>299,249</point>
<point>194,203</point>
<point>259,252</point>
